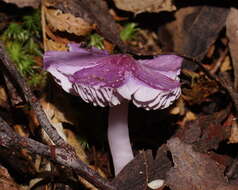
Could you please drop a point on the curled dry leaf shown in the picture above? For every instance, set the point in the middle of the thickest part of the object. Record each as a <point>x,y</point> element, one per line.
<point>67,22</point>
<point>55,117</point>
<point>226,64</point>
<point>51,45</point>
<point>25,3</point>
<point>145,6</point>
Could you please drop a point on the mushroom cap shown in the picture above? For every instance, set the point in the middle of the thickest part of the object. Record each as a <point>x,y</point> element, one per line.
<point>104,79</point>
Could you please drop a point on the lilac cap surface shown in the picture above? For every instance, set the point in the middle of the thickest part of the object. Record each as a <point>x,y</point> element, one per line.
<point>104,79</point>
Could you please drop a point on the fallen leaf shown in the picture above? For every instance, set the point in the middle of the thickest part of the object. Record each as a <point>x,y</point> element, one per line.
<point>55,117</point>
<point>140,6</point>
<point>226,65</point>
<point>193,170</point>
<point>51,45</point>
<point>67,22</point>
<point>94,12</point>
<point>189,34</point>
<point>25,3</point>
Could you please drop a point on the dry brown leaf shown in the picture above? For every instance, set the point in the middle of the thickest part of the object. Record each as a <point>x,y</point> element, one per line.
<point>226,64</point>
<point>51,45</point>
<point>55,117</point>
<point>193,170</point>
<point>139,6</point>
<point>25,3</point>
<point>67,22</point>
<point>6,182</point>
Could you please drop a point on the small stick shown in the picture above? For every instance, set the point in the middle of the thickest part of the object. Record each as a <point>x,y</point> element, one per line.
<point>30,97</point>
<point>62,156</point>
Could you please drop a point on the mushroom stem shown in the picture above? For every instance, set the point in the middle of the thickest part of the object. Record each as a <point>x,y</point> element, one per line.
<point>118,136</point>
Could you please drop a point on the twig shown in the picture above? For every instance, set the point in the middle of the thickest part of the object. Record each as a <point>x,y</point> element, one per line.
<point>30,97</point>
<point>9,139</point>
<point>64,154</point>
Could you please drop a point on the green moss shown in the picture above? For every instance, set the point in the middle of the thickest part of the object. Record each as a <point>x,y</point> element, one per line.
<point>22,40</point>
<point>96,40</point>
<point>129,31</point>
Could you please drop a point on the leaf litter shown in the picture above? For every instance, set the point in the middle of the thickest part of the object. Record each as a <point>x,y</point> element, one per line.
<point>180,144</point>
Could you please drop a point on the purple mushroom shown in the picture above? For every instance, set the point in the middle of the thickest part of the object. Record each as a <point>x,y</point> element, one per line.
<point>113,80</point>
